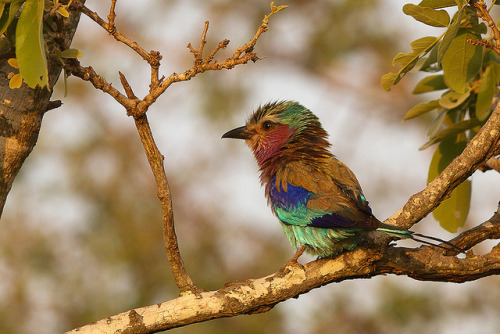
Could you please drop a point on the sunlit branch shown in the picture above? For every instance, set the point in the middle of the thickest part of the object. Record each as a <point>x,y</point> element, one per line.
<point>261,295</point>
<point>481,148</point>
<point>137,108</point>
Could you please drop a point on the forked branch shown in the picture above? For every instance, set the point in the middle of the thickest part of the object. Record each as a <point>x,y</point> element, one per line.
<point>137,108</point>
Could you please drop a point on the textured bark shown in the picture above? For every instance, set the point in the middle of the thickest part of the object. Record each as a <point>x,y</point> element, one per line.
<point>260,295</point>
<point>22,110</point>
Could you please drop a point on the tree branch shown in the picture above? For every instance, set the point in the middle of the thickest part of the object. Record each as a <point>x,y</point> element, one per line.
<point>138,107</point>
<point>155,159</point>
<point>262,294</point>
<point>482,147</point>
<point>111,29</point>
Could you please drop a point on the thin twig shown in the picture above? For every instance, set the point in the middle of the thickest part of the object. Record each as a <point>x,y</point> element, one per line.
<point>483,12</point>
<point>155,159</point>
<point>155,66</point>
<point>222,45</point>
<point>198,54</point>
<point>242,55</point>
<point>126,86</point>
<point>74,67</point>
<point>113,31</point>
<point>111,17</point>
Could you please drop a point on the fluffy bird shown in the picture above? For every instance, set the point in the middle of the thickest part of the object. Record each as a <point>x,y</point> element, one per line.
<point>316,198</point>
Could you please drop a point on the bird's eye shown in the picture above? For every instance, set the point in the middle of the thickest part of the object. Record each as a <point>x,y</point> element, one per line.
<point>267,125</point>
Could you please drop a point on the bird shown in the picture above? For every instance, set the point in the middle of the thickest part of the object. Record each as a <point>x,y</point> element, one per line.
<point>316,198</point>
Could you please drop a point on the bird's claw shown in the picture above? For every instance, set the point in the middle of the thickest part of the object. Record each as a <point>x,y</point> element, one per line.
<point>295,257</point>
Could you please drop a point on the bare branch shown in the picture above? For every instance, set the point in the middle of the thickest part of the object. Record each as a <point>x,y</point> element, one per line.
<point>155,159</point>
<point>111,29</point>
<point>126,86</point>
<point>111,17</point>
<point>198,54</point>
<point>242,55</point>
<point>492,164</point>
<point>138,108</point>
<point>487,230</point>
<point>73,67</point>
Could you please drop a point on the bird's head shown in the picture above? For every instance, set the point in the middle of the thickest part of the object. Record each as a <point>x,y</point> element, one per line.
<point>279,129</point>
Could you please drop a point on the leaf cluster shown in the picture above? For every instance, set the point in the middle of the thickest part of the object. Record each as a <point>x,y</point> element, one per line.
<point>458,64</point>
<point>29,26</point>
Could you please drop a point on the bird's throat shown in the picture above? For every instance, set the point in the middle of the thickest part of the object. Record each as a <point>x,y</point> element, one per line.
<point>268,148</point>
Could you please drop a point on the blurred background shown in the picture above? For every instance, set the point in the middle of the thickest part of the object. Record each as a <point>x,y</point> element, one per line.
<point>81,235</point>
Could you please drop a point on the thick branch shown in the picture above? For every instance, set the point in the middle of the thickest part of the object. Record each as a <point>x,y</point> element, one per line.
<point>260,295</point>
<point>487,230</point>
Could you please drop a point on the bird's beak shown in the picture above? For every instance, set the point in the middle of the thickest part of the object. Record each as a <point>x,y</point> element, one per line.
<point>238,133</point>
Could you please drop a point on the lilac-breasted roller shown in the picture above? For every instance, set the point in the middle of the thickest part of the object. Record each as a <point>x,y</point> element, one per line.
<point>316,198</point>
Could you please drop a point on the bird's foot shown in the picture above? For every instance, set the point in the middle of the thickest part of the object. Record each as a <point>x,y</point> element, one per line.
<point>293,261</point>
<point>295,257</point>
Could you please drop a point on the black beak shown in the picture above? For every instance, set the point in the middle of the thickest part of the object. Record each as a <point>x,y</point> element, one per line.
<point>238,133</point>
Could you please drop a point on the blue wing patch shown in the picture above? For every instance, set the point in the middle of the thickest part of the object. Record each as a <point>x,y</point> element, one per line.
<point>288,200</point>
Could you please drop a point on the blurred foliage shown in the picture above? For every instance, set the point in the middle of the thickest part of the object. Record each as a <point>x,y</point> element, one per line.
<point>81,234</point>
<point>469,76</point>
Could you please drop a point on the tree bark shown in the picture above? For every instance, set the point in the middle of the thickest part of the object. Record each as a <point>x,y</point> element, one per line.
<point>22,109</point>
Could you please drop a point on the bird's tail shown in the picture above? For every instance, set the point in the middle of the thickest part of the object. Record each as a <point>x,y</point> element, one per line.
<point>399,232</point>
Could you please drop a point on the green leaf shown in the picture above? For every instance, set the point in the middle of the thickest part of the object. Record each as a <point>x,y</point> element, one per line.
<point>421,109</point>
<point>487,89</point>
<point>408,60</point>
<point>71,53</point>
<point>452,99</point>
<point>461,62</point>
<point>429,84</point>
<point>30,51</point>
<point>428,63</point>
<point>437,3</point>
<point>450,35</point>
<point>436,124</point>
<point>6,20</point>
<point>63,11</point>
<point>388,80</point>
<point>452,131</point>
<point>423,44</point>
<point>452,212</point>
<point>429,16</point>
<point>461,3</point>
